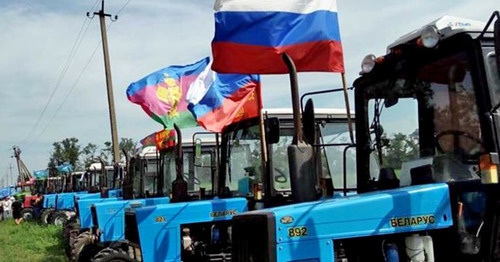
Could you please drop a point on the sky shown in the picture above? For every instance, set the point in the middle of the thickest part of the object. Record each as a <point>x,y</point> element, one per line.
<point>38,38</point>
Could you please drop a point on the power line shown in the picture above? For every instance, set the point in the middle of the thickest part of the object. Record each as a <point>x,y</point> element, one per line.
<point>72,54</point>
<point>69,92</point>
<point>77,79</point>
<point>123,7</point>
<point>67,95</point>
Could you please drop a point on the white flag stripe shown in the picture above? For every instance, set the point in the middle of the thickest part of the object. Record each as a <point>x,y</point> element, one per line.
<point>200,86</point>
<point>292,6</point>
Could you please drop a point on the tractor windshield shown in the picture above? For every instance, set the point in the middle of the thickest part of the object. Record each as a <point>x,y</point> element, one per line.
<point>110,173</point>
<point>334,138</point>
<point>244,160</point>
<point>150,183</point>
<point>169,170</point>
<point>198,170</point>
<point>338,157</point>
<point>423,120</point>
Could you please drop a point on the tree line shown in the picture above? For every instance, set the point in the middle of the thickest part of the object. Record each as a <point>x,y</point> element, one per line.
<point>70,151</point>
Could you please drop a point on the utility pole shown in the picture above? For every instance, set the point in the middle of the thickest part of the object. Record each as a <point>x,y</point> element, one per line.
<point>10,169</point>
<point>107,67</point>
<point>17,154</point>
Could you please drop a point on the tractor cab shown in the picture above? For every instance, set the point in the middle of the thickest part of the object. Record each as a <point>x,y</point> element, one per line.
<point>92,177</point>
<point>427,113</point>
<point>243,153</point>
<point>77,183</point>
<point>425,107</point>
<point>106,180</point>
<point>152,171</point>
<point>150,181</point>
<point>145,176</point>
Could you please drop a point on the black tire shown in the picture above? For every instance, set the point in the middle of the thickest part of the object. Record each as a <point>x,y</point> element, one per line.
<point>28,214</point>
<point>112,255</point>
<point>46,216</point>
<point>59,219</point>
<point>84,248</point>
<point>71,231</point>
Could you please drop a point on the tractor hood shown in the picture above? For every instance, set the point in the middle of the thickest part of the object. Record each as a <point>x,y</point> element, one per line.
<point>304,226</point>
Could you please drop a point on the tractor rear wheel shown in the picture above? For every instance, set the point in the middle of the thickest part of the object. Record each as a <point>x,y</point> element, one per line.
<point>59,218</point>
<point>71,231</point>
<point>28,214</point>
<point>46,215</point>
<point>84,248</point>
<point>112,255</point>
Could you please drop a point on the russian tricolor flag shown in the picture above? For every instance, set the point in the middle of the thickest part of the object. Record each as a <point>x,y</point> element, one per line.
<point>218,100</point>
<point>251,36</point>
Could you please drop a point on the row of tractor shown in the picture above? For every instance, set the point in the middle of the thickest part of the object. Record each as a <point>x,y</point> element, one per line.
<point>417,182</point>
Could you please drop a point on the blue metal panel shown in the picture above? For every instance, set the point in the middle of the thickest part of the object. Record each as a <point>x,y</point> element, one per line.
<point>65,201</point>
<point>111,216</point>
<point>407,209</point>
<point>84,213</point>
<point>87,196</point>
<point>115,193</point>
<point>159,226</point>
<point>49,201</point>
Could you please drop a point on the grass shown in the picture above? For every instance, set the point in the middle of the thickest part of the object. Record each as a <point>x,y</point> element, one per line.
<point>30,242</point>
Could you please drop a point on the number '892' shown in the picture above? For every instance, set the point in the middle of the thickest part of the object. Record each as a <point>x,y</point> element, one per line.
<point>297,232</point>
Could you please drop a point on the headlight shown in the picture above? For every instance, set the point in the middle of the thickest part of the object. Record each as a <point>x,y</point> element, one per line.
<point>430,36</point>
<point>368,64</point>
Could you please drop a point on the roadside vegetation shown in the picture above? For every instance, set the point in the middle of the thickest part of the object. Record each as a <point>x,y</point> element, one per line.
<point>30,242</point>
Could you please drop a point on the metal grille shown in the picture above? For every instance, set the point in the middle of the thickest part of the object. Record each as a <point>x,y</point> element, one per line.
<point>254,238</point>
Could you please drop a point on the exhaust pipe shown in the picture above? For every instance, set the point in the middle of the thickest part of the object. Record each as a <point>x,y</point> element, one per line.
<point>300,154</point>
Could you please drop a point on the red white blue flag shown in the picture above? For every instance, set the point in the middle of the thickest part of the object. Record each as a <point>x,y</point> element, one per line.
<point>218,100</point>
<point>251,36</point>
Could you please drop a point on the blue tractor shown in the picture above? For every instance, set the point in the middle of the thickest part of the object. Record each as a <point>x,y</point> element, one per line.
<point>198,228</point>
<point>147,183</point>
<point>76,185</point>
<point>101,184</point>
<point>427,143</point>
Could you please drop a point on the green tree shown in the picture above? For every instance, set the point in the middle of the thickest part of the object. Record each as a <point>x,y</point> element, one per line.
<point>89,154</point>
<point>127,144</point>
<point>65,151</point>
<point>106,151</point>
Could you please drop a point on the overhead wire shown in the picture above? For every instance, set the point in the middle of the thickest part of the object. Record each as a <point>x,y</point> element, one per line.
<point>123,7</point>
<point>67,95</point>
<point>72,54</point>
<point>76,81</point>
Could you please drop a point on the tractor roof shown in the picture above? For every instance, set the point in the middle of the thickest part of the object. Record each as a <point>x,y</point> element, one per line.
<point>287,113</point>
<point>447,26</point>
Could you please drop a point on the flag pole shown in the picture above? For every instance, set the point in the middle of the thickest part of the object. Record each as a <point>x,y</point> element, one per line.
<point>348,108</point>
<point>263,143</point>
<point>262,128</point>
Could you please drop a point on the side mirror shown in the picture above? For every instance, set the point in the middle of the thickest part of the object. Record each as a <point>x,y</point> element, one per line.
<point>497,42</point>
<point>272,130</point>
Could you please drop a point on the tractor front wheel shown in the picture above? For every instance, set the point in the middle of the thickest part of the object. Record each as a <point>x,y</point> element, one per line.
<point>28,214</point>
<point>71,231</point>
<point>84,248</point>
<point>59,219</point>
<point>46,216</point>
<point>112,255</point>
